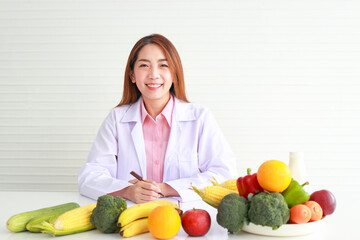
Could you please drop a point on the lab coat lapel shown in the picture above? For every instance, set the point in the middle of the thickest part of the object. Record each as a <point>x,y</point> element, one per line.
<point>138,141</point>
<point>133,118</point>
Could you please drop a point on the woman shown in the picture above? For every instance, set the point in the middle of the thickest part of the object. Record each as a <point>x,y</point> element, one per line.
<point>157,133</point>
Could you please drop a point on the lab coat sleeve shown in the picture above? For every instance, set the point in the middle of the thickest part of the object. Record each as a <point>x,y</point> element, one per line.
<point>215,159</point>
<point>98,176</point>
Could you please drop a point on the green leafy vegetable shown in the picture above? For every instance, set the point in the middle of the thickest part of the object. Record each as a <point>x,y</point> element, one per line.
<point>269,209</point>
<point>232,212</point>
<point>106,213</point>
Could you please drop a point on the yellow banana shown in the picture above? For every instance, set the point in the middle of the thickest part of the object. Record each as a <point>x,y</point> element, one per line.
<point>141,210</point>
<point>135,228</point>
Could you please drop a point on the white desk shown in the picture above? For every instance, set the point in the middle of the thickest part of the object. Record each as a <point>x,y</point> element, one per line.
<point>337,225</point>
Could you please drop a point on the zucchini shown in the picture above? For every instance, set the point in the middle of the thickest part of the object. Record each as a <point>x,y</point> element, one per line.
<point>33,224</point>
<point>18,222</point>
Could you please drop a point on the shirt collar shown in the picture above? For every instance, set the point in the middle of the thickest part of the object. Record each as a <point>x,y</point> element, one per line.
<point>166,112</point>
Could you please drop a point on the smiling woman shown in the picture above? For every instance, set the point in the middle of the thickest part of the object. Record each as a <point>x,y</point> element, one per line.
<point>157,133</point>
<point>153,78</point>
<point>171,58</point>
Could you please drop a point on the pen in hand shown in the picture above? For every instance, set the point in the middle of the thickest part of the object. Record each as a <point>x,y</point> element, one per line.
<point>138,177</point>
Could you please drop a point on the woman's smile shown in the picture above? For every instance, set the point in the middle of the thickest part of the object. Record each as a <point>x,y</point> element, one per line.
<point>154,86</point>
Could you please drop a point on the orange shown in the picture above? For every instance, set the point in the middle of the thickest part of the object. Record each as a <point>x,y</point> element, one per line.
<point>274,176</point>
<point>164,222</point>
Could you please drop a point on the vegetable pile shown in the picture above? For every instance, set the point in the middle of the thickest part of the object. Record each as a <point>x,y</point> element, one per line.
<point>108,215</point>
<point>269,198</point>
<point>28,220</point>
<point>70,218</point>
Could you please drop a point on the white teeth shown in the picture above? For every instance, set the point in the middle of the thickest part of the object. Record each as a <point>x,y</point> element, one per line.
<point>154,85</point>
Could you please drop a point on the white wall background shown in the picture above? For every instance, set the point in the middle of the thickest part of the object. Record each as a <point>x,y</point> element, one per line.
<point>278,75</point>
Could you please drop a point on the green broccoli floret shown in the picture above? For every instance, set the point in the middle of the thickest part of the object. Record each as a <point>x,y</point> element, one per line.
<point>106,213</point>
<point>268,209</point>
<point>232,212</point>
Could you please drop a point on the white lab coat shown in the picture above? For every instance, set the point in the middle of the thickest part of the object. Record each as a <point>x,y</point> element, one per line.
<point>196,151</point>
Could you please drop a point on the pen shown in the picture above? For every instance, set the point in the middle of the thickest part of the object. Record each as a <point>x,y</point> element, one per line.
<point>138,177</point>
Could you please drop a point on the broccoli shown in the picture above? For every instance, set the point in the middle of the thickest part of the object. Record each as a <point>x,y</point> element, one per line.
<point>106,213</point>
<point>232,212</point>
<point>268,209</point>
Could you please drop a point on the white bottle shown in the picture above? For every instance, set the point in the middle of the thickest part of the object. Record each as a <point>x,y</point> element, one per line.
<point>297,167</point>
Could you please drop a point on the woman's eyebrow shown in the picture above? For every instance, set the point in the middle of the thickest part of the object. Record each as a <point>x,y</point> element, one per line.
<point>146,60</point>
<point>143,60</point>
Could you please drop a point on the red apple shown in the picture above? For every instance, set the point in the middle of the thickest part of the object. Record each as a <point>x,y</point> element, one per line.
<point>326,200</point>
<point>196,222</point>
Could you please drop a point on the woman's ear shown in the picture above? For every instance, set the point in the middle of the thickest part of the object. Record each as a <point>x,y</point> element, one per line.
<point>132,77</point>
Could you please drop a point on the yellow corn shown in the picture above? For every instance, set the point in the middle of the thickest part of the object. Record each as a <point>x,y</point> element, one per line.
<point>229,184</point>
<point>76,218</point>
<point>213,194</point>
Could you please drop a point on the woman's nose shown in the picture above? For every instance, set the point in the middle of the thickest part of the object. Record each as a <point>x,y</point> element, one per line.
<point>154,73</point>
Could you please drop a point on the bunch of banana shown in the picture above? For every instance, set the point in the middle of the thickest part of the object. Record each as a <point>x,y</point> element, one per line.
<point>133,220</point>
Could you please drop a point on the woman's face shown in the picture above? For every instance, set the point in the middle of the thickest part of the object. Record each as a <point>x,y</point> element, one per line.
<point>152,74</point>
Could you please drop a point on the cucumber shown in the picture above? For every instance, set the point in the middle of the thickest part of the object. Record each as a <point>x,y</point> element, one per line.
<point>33,224</point>
<point>18,222</point>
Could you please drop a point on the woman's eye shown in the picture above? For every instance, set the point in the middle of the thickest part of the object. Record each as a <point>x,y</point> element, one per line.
<point>164,65</point>
<point>143,65</point>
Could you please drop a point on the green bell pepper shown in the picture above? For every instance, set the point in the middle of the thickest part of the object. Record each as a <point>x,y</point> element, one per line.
<point>295,194</point>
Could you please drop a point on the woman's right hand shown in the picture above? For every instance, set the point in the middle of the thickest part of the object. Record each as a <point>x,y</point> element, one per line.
<point>142,191</point>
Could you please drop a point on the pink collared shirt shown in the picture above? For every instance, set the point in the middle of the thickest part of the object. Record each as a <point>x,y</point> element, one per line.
<point>156,136</point>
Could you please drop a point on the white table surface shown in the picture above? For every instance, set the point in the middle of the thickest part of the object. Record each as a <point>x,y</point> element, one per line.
<point>337,225</point>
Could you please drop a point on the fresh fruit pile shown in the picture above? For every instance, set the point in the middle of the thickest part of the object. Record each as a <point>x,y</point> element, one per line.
<point>275,176</point>
<point>144,217</point>
<point>269,197</point>
<point>163,220</point>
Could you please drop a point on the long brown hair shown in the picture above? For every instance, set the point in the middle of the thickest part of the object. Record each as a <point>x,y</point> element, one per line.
<point>131,93</point>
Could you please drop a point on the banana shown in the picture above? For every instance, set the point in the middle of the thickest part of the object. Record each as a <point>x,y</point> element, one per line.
<point>135,228</point>
<point>141,210</point>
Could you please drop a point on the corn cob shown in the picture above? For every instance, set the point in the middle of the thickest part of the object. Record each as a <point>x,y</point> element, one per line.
<point>212,194</point>
<point>75,218</point>
<point>229,184</point>
<point>73,221</point>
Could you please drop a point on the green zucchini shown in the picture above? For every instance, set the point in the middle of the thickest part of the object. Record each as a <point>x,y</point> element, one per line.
<point>18,222</point>
<point>33,224</point>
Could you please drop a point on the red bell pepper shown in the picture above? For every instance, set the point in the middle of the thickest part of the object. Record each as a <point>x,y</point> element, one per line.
<point>248,184</point>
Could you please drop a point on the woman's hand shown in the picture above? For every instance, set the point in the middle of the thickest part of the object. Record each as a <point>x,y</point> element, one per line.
<point>145,191</point>
<point>142,191</point>
<point>168,191</point>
